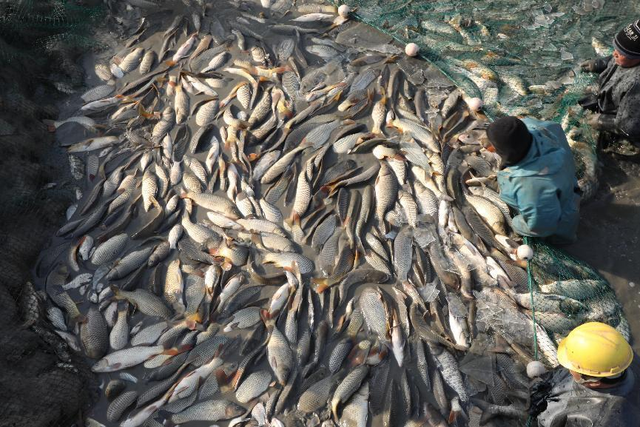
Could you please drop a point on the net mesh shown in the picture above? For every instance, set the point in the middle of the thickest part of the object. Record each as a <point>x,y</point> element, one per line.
<point>568,292</point>
<point>42,381</point>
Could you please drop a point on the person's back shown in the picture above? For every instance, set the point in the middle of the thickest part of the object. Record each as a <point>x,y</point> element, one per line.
<point>542,185</point>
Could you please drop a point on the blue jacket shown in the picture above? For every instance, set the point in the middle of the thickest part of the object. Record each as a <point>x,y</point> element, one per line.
<point>543,185</point>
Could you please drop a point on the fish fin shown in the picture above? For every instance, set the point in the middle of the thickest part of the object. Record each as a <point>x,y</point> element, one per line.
<point>170,63</point>
<point>223,378</point>
<point>167,417</point>
<point>177,350</point>
<point>321,284</point>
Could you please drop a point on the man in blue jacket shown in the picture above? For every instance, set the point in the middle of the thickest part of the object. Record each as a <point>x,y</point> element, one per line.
<point>537,177</point>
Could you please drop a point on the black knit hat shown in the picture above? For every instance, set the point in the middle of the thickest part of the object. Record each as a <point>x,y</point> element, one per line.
<point>511,139</point>
<point>627,41</point>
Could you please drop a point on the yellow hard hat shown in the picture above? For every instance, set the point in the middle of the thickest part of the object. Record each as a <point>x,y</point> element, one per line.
<point>595,349</point>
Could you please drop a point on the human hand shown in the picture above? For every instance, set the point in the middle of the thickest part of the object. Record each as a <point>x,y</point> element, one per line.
<point>588,66</point>
<point>593,120</point>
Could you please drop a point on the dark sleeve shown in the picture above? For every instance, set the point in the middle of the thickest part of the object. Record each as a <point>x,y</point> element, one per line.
<point>627,120</point>
<point>600,64</point>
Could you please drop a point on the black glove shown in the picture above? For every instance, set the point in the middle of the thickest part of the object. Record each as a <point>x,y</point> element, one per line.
<point>540,392</point>
<point>589,66</point>
<point>589,102</point>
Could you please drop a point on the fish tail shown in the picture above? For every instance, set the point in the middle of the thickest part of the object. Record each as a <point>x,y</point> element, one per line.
<point>321,284</point>
<point>334,409</point>
<point>167,417</point>
<point>294,219</point>
<point>116,292</point>
<point>79,319</point>
<point>193,321</point>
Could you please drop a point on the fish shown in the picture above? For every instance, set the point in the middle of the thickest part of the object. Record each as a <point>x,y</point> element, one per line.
<point>347,388</point>
<point>120,404</point>
<point>386,188</point>
<point>119,335</point>
<point>402,249</point>
<point>279,355</point>
<point>448,367</point>
<point>316,396</point>
<point>254,386</point>
<point>94,334</point>
<point>93,144</point>
<point>128,357</point>
<point>145,301</point>
<point>374,311</point>
<point>211,410</point>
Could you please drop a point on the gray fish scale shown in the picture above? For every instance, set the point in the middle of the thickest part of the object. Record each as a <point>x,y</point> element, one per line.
<point>316,396</point>
<point>291,85</point>
<point>212,410</point>
<point>109,250</point>
<point>119,336</point>
<point>338,354</point>
<point>120,405</point>
<point>451,374</point>
<point>402,253</point>
<point>349,385</point>
<point>386,190</point>
<point>209,387</point>
<point>255,385</point>
<point>279,355</point>
<point>245,318</point>
<point>324,231</point>
<point>94,334</point>
<point>373,310</point>
<point>129,263</point>
<point>149,335</point>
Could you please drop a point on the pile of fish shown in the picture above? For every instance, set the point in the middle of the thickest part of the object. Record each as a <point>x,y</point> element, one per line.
<point>285,230</point>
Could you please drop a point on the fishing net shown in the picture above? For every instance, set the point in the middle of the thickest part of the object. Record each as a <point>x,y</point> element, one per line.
<point>42,381</point>
<point>567,292</point>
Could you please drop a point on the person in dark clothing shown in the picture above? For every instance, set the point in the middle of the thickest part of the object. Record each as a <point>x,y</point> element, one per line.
<point>537,177</point>
<point>616,105</point>
<point>594,385</point>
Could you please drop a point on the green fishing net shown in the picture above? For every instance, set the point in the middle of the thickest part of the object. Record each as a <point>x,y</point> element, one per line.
<point>567,292</point>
